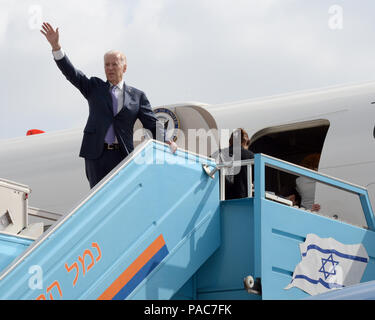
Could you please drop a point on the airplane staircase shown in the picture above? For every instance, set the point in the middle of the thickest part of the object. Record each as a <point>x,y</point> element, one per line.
<point>260,238</point>
<point>140,234</point>
<point>155,228</point>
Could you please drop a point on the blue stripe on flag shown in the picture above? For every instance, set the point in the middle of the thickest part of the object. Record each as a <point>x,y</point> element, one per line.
<point>321,281</point>
<point>339,254</point>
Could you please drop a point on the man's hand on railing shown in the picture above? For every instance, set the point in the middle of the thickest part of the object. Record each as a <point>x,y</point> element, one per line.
<point>172,146</point>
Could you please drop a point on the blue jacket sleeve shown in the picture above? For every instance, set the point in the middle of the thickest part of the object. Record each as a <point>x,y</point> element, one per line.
<point>149,120</point>
<point>76,77</point>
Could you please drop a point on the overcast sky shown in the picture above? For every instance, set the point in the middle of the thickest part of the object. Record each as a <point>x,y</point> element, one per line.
<point>211,51</point>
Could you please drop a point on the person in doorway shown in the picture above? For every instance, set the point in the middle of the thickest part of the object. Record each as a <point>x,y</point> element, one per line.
<point>236,185</point>
<point>306,186</point>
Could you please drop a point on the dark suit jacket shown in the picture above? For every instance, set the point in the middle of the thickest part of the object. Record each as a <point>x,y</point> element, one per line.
<point>97,93</point>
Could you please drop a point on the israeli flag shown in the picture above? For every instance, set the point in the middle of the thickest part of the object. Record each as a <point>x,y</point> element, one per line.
<point>327,265</point>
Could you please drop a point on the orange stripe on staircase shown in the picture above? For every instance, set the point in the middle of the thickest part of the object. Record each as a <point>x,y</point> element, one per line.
<point>129,273</point>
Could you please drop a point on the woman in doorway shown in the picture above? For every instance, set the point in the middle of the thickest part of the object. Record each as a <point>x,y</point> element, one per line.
<point>236,185</point>
<point>306,186</point>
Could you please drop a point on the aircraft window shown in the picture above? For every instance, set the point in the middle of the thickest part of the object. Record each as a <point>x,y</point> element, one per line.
<point>299,143</point>
<point>374,132</point>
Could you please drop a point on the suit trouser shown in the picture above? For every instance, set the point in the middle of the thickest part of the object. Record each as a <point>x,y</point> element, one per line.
<point>97,169</point>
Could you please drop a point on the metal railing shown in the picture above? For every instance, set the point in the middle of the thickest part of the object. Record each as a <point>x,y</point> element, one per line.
<point>224,167</point>
<point>289,168</point>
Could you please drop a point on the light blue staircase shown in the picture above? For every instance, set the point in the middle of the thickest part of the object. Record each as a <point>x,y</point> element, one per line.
<point>155,228</point>
<point>140,234</point>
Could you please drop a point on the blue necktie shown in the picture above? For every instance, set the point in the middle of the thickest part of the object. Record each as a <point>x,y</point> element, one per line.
<point>110,136</point>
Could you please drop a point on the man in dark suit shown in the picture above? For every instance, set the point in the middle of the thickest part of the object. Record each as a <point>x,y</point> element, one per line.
<point>113,109</point>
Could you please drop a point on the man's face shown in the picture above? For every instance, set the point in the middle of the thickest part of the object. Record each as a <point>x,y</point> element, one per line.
<point>114,68</point>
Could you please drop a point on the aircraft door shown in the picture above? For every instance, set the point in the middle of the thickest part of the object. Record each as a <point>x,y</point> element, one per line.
<point>189,125</point>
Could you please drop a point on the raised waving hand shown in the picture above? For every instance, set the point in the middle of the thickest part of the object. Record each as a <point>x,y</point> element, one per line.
<point>51,35</point>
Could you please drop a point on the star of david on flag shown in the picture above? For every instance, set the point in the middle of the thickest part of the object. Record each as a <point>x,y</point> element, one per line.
<point>323,268</point>
<point>327,264</point>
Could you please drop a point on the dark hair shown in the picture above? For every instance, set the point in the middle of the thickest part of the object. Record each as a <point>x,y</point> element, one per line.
<point>311,161</point>
<point>245,141</point>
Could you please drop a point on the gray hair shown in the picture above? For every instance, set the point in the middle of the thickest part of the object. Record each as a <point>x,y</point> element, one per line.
<point>117,53</point>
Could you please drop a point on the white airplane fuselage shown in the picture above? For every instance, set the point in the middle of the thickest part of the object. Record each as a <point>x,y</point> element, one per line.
<point>337,122</point>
